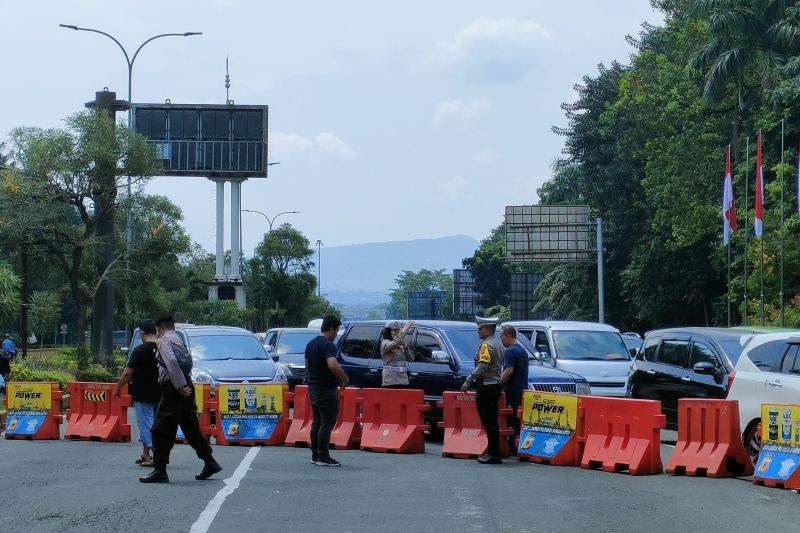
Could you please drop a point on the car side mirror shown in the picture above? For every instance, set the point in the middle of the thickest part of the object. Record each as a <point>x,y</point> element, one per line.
<point>269,348</point>
<point>441,358</point>
<point>704,367</point>
<point>633,352</point>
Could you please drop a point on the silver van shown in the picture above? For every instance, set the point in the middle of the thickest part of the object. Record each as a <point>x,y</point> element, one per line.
<point>594,351</point>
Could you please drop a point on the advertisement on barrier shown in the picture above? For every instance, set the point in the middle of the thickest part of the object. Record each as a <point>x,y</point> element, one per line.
<point>780,437</point>
<point>199,399</point>
<point>548,421</point>
<point>28,407</point>
<point>249,411</point>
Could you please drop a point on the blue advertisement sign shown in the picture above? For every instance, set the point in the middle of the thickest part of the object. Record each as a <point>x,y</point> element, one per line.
<point>777,462</point>
<point>543,441</point>
<point>249,426</point>
<point>24,422</point>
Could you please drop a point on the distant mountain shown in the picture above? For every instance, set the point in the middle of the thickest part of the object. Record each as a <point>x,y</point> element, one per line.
<point>361,274</point>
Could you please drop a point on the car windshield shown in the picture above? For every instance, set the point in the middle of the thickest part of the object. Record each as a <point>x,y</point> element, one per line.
<point>220,347</point>
<point>733,349</point>
<point>294,342</point>
<point>588,345</point>
<point>466,342</point>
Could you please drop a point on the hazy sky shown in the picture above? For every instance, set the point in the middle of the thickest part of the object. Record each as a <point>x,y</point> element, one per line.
<point>391,120</point>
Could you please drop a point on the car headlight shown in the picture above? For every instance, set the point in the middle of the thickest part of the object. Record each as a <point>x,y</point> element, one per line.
<point>201,376</point>
<point>583,389</point>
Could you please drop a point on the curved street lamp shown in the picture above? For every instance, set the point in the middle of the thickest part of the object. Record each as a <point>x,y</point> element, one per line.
<point>271,220</point>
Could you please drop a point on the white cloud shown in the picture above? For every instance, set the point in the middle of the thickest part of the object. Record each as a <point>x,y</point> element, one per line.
<point>460,109</point>
<point>325,145</point>
<point>498,50</point>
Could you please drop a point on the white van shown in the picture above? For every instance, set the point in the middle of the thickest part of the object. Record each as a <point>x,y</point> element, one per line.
<point>594,351</point>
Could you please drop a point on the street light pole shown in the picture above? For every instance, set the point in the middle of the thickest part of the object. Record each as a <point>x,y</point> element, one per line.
<point>129,61</point>
<point>270,221</point>
<point>319,268</point>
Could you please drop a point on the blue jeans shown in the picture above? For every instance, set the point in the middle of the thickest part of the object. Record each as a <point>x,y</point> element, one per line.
<point>325,408</point>
<point>145,413</point>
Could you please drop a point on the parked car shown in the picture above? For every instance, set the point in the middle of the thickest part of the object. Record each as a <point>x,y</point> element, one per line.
<point>768,371</point>
<point>594,351</point>
<point>685,363</point>
<point>288,346</point>
<point>633,341</point>
<point>223,354</point>
<point>443,358</point>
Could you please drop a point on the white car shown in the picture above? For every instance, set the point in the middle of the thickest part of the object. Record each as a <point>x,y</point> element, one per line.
<point>594,351</point>
<point>768,371</point>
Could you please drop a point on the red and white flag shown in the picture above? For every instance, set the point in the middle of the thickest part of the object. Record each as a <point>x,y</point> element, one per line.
<point>728,202</point>
<point>759,218</point>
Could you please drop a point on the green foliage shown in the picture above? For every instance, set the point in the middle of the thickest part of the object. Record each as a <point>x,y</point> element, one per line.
<point>490,271</point>
<point>95,373</point>
<point>22,372</point>
<point>424,280</point>
<point>498,311</point>
<point>83,356</point>
<point>45,308</point>
<point>9,292</point>
<point>216,312</point>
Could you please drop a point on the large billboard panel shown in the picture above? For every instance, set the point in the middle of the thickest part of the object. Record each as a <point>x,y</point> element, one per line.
<point>548,233</point>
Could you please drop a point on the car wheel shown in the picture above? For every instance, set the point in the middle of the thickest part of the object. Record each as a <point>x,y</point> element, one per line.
<point>752,441</point>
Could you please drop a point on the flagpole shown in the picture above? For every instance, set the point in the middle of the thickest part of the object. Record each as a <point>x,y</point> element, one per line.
<point>760,185</point>
<point>729,284</point>
<point>780,294</point>
<point>746,203</point>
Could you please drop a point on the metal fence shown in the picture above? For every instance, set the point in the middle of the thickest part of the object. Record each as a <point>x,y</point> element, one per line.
<point>245,158</point>
<point>523,297</point>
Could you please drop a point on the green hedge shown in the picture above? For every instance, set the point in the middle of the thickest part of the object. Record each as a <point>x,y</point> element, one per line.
<point>21,372</point>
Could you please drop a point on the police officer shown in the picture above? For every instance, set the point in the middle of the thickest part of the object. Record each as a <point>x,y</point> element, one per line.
<point>486,377</point>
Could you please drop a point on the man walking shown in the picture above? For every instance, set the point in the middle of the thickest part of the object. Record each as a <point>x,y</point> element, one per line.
<point>514,378</point>
<point>323,373</point>
<point>486,377</point>
<point>177,406</point>
<point>143,369</point>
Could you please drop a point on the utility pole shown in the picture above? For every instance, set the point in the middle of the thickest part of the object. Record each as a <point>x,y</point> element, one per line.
<point>319,268</point>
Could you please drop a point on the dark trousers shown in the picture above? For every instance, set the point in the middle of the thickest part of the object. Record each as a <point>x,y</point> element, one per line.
<point>487,398</point>
<point>176,410</point>
<point>513,400</point>
<point>325,408</point>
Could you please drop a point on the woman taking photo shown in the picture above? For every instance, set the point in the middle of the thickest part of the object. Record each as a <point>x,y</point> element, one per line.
<point>395,354</point>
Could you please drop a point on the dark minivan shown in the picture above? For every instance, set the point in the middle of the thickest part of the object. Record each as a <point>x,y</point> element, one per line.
<point>443,358</point>
<point>685,363</point>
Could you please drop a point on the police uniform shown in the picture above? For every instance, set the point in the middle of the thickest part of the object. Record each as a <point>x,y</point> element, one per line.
<point>486,377</point>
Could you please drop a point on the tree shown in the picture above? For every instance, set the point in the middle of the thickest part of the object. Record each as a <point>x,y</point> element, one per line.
<point>79,168</point>
<point>286,250</point>
<point>45,307</point>
<point>423,280</point>
<point>9,292</point>
<point>490,271</point>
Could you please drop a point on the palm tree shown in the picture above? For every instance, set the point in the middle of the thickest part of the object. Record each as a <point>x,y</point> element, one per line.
<point>747,37</point>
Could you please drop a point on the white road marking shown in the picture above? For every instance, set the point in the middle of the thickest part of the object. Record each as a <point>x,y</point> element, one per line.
<point>231,484</point>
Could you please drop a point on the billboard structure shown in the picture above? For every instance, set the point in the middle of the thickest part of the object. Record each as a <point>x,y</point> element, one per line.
<point>548,233</point>
<point>465,305</point>
<point>555,234</point>
<point>225,143</point>
<point>523,297</point>
<point>425,305</point>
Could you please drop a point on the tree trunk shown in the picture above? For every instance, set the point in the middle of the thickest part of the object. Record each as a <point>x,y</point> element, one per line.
<point>26,299</point>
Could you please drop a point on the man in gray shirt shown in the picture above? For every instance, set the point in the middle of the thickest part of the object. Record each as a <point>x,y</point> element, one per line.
<point>177,406</point>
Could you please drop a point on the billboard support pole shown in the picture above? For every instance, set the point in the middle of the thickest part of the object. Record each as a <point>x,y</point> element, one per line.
<point>601,312</point>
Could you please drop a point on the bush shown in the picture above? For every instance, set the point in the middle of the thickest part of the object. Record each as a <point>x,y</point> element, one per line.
<point>83,355</point>
<point>97,373</point>
<point>22,372</point>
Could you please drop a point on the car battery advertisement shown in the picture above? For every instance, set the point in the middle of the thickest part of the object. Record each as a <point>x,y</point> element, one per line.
<point>249,411</point>
<point>28,407</point>
<point>780,438</point>
<point>199,398</point>
<point>548,421</point>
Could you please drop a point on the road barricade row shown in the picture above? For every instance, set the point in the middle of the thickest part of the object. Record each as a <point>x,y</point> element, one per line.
<point>33,411</point>
<point>464,436</point>
<point>393,420</point>
<point>346,433</point>
<point>94,413</point>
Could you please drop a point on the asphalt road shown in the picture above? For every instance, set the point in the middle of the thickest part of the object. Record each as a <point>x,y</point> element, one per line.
<point>91,486</point>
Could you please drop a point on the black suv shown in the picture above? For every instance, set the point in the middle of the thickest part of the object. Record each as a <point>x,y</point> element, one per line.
<point>685,363</point>
<point>443,358</point>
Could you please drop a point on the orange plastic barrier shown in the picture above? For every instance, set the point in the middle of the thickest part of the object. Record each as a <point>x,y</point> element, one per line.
<point>393,420</point>
<point>95,415</point>
<point>299,433</point>
<point>778,463</point>
<point>709,443</point>
<point>346,433</point>
<point>33,411</point>
<point>552,429</point>
<point>622,435</point>
<point>202,395</point>
<point>251,414</point>
<point>464,436</point>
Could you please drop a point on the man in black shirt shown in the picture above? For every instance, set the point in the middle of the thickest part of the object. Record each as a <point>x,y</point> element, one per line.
<point>323,374</point>
<point>142,367</point>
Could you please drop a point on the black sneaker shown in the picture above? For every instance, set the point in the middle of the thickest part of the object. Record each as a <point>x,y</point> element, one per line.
<point>209,469</point>
<point>328,461</point>
<point>314,459</point>
<point>156,476</point>
<point>490,460</point>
